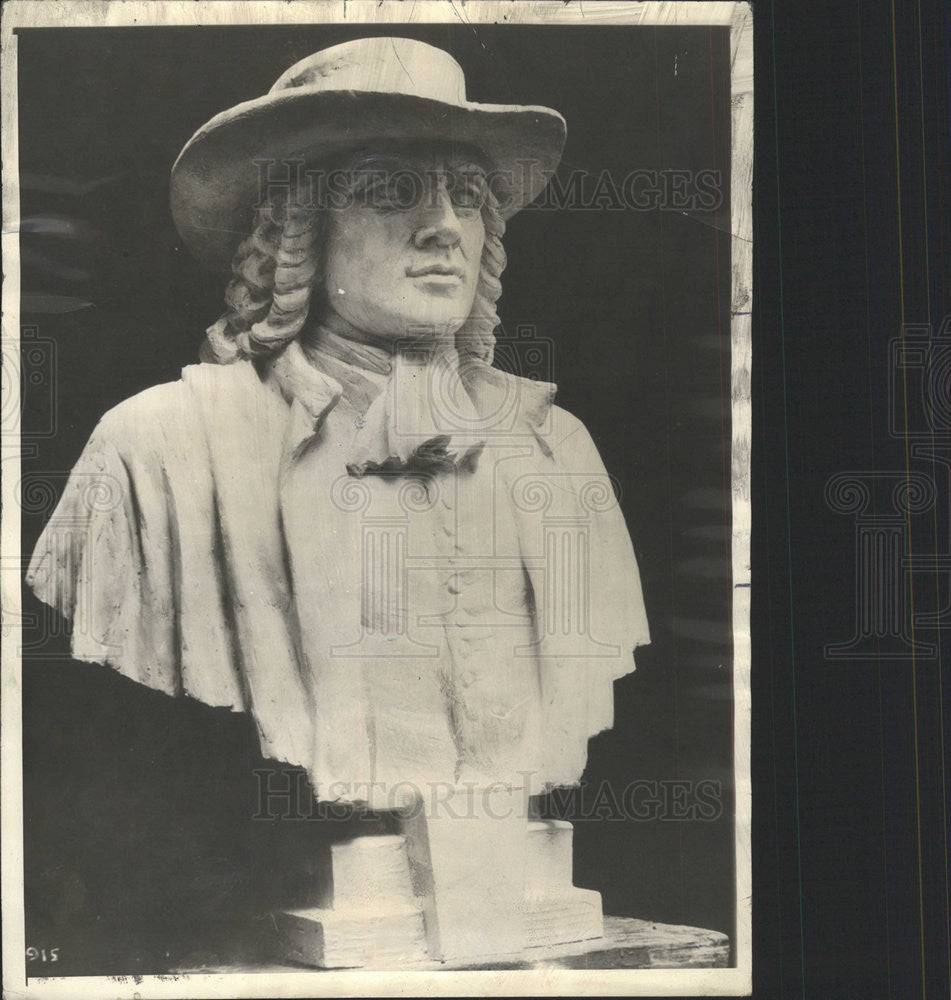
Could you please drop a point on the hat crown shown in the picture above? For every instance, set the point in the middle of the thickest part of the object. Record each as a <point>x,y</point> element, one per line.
<point>380,65</point>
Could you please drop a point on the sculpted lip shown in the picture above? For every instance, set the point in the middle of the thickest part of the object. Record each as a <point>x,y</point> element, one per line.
<point>434,269</point>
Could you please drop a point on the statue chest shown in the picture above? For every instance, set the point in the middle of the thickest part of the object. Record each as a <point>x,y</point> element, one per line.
<point>415,605</point>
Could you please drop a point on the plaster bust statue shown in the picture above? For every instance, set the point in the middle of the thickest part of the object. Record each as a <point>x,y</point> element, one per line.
<point>406,564</point>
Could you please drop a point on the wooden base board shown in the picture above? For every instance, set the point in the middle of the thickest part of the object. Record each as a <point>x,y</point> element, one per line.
<point>627,944</point>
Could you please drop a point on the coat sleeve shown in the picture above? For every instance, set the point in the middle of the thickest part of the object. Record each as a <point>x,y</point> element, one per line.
<point>615,596</point>
<point>90,564</point>
<point>114,558</point>
<point>589,594</point>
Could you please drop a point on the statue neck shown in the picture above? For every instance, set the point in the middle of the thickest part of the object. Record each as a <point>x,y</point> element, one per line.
<point>336,337</point>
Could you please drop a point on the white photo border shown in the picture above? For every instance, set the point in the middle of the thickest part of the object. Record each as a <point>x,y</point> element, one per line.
<point>736,981</point>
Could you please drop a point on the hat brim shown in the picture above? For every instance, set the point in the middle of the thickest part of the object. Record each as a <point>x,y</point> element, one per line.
<point>216,179</point>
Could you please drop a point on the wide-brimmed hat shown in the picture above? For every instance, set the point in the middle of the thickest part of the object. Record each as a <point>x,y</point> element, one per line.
<point>348,97</point>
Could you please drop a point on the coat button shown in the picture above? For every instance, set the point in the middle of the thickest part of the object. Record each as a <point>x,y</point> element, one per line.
<point>467,678</point>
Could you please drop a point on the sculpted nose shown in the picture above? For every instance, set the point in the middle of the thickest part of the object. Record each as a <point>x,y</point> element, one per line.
<point>438,224</point>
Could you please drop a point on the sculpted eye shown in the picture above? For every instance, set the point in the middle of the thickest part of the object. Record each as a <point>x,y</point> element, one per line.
<point>467,189</point>
<point>402,189</point>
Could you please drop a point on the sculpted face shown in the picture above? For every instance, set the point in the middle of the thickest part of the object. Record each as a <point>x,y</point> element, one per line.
<point>404,244</point>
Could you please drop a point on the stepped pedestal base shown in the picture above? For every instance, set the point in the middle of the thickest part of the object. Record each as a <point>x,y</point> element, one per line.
<point>570,915</point>
<point>400,900</point>
<point>352,938</point>
<point>395,936</point>
<point>470,884</point>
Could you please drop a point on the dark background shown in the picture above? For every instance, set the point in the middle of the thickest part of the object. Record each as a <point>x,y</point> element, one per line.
<point>140,850</point>
<point>133,800</point>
